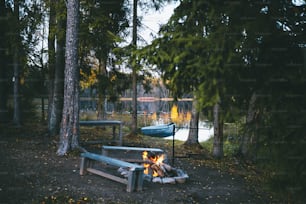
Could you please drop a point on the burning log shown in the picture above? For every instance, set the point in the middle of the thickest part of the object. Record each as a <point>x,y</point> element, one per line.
<point>159,172</point>
<point>167,167</point>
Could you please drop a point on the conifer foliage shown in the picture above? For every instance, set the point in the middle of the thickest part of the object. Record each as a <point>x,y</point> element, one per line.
<point>245,55</point>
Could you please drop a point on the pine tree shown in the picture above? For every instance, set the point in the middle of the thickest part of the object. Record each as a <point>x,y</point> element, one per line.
<point>69,133</point>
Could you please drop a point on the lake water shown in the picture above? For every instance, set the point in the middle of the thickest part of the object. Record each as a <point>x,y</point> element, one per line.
<point>205,132</point>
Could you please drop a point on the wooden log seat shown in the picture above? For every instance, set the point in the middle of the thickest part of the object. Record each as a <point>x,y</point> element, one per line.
<point>134,178</point>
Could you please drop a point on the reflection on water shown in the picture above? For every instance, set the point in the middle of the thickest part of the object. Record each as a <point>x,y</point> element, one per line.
<point>181,120</point>
<point>205,132</point>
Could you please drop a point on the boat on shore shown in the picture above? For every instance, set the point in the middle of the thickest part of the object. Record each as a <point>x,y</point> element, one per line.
<point>164,130</point>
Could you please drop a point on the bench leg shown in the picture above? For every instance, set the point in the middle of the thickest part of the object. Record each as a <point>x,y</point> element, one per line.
<point>135,181</point>
<point>82,165</point>
<point>114,132</point>
<point>85,163</point>
<point>131,181</point>
<point>104,152</point>
<point>139,176</point>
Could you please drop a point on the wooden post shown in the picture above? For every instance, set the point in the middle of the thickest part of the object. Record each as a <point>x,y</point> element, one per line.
<point>82,165</point>
<point>114,132</point>
<point>120,134</point>
<point>173,144</point>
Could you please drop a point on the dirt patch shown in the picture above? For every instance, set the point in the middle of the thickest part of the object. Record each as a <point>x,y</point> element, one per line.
<point>31,172</point>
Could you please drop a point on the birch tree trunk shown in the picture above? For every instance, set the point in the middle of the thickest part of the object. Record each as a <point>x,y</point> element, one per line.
<point>69,132</point>
<point>218,133</point>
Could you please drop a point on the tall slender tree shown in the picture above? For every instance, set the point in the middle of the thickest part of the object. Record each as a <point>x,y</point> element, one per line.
<point>56,53</point>
<point>4,82</point>
<point>16,66</point>
<point>69,132</point>
<point>134,70</point>
<point>53,125</point>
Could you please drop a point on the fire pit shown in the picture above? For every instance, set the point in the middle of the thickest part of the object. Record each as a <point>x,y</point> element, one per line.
<point>154,161</point>
<point>157,171</point>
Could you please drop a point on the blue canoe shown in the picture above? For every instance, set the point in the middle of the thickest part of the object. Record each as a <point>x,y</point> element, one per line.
<point>159,130</point>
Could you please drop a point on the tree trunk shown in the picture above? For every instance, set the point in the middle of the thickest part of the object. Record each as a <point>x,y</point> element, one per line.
<point>304,54</point>
<point>3,62</point>
<point>101,89</point>
<point>69,132</point>
<point>16,78</point>
<point>51,66</point>
<point>100,106</point>
<point>247,141</point>
<point>218,133</point>
<point>58,91</point>
<point>194,125</point>
<point>134,72</point>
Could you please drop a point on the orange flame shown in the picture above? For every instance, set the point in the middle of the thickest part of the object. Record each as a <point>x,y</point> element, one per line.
<point>145,165</point>
<point>156,159</point>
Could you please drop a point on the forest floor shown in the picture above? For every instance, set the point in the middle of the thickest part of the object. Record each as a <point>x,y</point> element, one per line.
<point>31,172</point>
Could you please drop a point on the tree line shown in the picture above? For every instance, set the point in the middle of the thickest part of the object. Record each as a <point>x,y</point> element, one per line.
<point>241,60</point>
<point>32,69</point>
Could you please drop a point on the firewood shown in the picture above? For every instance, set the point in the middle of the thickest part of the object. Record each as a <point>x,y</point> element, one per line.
<point>158,170</point>
<point>167,167</point>
<point>162,167</point>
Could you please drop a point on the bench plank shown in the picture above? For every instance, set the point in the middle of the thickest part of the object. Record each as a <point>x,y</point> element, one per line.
<point>134,180</point>
<point>106,175</point>
<point>131,148</point>
<point>106,149</point>
<point>111,161</point>
<point>100,122</point>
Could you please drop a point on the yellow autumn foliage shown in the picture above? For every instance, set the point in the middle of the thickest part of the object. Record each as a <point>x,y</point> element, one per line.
<point>174,114</point>
<point>88,80</point>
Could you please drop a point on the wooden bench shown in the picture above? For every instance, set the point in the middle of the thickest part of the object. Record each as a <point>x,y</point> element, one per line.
<point>112,123</point>
<point>134,179</point>
<point>106,149</point>
<point>130,154</point>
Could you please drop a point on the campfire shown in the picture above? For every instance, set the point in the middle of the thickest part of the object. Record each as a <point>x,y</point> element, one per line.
<point>156,170</point>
